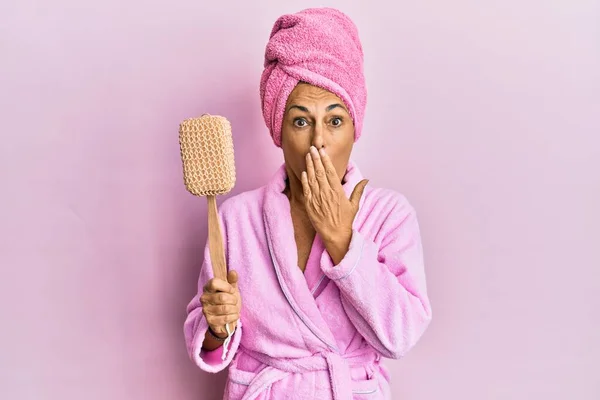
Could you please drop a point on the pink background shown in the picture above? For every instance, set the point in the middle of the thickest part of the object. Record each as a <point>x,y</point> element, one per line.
<point>485,114</point>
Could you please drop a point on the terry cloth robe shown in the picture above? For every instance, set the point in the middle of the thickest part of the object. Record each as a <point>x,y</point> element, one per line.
<point>321,334</point>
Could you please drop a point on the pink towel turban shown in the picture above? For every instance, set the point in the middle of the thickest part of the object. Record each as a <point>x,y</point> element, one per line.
<point>319,46</point>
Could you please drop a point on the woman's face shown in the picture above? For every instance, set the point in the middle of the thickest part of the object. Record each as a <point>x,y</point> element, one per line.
<point>316,117</point>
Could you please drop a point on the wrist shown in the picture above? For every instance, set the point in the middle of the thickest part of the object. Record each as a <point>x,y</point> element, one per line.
<point>336,238</point>
<point>337,246</point>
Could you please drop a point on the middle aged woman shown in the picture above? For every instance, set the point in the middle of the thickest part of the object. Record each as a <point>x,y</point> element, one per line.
<point>330,270</point>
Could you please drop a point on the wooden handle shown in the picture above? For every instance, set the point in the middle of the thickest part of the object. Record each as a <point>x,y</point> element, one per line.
<point>215,240</point>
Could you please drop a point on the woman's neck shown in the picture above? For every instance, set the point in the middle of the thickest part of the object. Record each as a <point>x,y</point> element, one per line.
<point>293,190</point>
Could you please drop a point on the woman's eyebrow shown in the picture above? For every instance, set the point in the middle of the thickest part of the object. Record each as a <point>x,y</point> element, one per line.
<point>331,107</point>
<point>301,108</point>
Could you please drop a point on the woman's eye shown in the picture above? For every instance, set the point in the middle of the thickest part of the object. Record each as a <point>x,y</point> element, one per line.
<point>300,122</point>
<point>336,121</point>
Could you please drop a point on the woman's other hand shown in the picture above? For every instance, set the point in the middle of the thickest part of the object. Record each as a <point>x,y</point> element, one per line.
<point>222,303</point>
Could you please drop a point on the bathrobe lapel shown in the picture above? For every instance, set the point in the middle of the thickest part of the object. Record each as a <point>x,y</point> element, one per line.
<point>282,246</point>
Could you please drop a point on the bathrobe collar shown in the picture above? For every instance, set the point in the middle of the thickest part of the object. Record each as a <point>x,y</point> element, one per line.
<point>282,245</point>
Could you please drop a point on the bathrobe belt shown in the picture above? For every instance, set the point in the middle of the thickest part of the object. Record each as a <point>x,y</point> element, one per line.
<point>337,366</point>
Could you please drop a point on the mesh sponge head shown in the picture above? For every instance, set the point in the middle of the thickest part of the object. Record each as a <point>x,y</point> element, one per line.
<point>207,154</point>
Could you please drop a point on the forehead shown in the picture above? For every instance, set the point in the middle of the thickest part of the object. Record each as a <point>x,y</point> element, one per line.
<point>310,93</point>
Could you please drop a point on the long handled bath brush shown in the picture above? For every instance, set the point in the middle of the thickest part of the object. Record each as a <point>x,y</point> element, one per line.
<point>206,147</point>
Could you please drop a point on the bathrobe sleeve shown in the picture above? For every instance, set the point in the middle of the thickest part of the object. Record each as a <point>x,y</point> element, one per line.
<point>382,286</point>
<point>195,325</point>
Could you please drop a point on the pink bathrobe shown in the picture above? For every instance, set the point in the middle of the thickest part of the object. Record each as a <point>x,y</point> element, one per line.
<point>321,334</point>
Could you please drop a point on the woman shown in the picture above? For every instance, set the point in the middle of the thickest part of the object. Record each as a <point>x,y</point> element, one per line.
<point>330,270</point>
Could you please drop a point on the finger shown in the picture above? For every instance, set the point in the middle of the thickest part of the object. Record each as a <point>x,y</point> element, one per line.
<point>221,309</point>
<point>319,168</point>
<point>332,177</point>
<point>305,185</point>
<point>220,321</point>
<point>218,285</point>
<point>358,192</point>
<point>208,299</point>
<point>221,330</point>
<point>310,171</point>
<point>232,278</point>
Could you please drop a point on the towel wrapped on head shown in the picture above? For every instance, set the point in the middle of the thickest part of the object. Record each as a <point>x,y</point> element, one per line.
<point>319,46</point>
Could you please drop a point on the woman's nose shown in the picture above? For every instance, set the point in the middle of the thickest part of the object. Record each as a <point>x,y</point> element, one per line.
<point>318,139</point>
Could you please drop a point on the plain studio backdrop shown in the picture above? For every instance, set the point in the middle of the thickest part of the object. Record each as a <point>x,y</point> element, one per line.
<point>485,114</point>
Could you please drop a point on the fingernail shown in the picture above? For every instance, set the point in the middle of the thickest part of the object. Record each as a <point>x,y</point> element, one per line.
<point>322,151</point>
